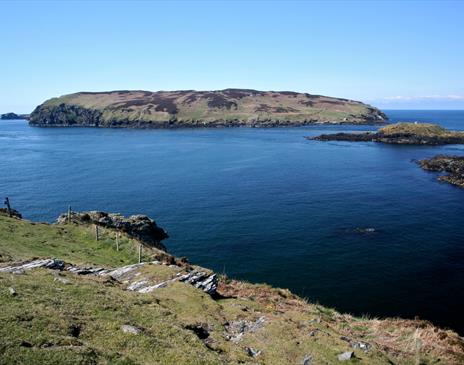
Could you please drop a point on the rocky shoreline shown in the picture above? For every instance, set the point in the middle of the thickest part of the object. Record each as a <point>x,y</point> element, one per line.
<point>452,165</point>
<point>400,133</point>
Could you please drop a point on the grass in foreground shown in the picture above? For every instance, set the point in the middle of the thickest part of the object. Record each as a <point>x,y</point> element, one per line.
<point>78,320</point>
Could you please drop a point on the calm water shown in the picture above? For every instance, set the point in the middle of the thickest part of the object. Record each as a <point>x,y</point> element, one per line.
<point>267,206</point>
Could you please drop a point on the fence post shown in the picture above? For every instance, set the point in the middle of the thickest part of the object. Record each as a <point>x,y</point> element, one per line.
<point>140,253</point>
<point>8,207</point>
<point>117,241</point>
<point>96,232</point>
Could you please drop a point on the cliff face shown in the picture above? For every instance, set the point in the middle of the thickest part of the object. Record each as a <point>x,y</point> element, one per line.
<point>67,298</point>
<point>222,108</point>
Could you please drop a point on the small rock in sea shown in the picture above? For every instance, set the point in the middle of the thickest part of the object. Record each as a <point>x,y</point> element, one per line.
<point>130,329</point>
<point>308,360</point>
<point>12,291</point>
<point>365,230</point>
<point>346,356</point>
<point>253,352</point>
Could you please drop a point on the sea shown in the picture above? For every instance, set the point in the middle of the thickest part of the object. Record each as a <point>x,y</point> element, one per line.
<point>358,227</point>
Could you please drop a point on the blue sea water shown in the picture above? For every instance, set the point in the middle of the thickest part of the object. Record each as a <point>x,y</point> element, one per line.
<point>266,205</point>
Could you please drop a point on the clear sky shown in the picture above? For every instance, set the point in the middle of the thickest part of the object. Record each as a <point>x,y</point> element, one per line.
<point>392,54</point>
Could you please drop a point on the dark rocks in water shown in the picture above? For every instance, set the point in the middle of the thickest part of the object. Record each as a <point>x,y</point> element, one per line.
<point>358,231</point>
<point>390,139</point>
<point>139,226</point>
<point>453,165</point>
<point>14,116</point>
<point>369,230</point>
<point>400,133</point>
<point>348,137</point>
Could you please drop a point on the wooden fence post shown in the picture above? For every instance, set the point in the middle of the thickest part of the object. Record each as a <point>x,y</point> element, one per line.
<point>96,233</point>
<point>69,214</point>
<point>140,253</point>
<point>8,207</point>
<point>117,241</point>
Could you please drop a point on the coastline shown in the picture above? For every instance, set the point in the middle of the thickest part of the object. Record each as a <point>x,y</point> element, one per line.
<point>248,313</point>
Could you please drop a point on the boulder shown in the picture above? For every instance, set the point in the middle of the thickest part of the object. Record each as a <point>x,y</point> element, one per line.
<point>140,227</point>
<point>346,356</point>
<point>126,328</point>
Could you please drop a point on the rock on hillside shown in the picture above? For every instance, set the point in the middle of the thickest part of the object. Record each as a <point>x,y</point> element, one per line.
<point>189,108</point>
<point>139,226</point>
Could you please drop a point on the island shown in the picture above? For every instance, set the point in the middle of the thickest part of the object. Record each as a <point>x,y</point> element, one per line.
<point>14,116</point>
<point>400,133</point>
<point>453,165</point>
<point>189,108</point>
<point>98,287</point>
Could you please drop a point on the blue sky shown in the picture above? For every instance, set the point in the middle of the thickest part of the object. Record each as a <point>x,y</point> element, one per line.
<point>392,54</point>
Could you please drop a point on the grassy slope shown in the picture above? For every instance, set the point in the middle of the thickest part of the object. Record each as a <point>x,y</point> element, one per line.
<point>194,106</point>
<point>36,324</point>
<point>420,129</point>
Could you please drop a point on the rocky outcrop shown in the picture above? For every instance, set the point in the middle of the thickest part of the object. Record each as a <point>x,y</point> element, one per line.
<point>453,165</point>
<point>64,115</point>
<point>391,139</point>
<point>133,277</point>
<point>12,212</point>
<point>401,133</point>
<point>140,227</point>
<point>14,116</point>
<point>193,109</point>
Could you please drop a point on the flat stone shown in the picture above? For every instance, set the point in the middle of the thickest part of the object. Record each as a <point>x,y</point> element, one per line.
<point>308,360</point>
<point>253,352</point>
<point>346,356</point>
<point>126,328</point>
<point>62,280</point>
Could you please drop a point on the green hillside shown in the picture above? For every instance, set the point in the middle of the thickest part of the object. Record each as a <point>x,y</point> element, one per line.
<point>73,315</point>
<point>229,107</point>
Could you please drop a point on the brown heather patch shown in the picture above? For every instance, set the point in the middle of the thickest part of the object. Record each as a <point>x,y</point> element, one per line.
<point>275,298</point>
<point>409,337</point>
